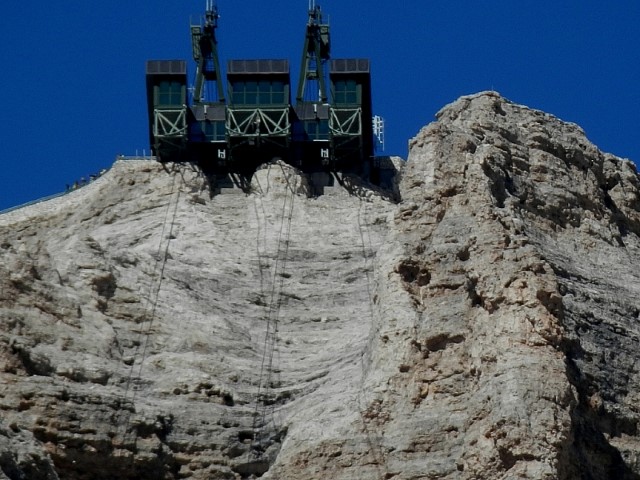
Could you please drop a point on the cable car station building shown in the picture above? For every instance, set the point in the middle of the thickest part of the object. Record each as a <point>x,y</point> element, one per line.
<point>328,129</point>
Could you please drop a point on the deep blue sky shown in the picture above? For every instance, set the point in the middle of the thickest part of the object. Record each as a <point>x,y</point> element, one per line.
<point>73,71</point>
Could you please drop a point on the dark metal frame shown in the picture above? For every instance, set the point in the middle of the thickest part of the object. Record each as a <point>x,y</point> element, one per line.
<point>253,133</point>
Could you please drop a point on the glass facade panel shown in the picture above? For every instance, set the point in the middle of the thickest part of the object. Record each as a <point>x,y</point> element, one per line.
<point>277,93</point>
<point>312,129</point>
<point>317,129</point>
<point>250,98</point>
<point>264,98</point>
<point>251,93</point>
<point>264,92</point>
<point>207,131</point>
<point>345,92</point>
<point>323,128</point>
<point>238,97</point>
<point>214,131</point>
<point>170,93</point>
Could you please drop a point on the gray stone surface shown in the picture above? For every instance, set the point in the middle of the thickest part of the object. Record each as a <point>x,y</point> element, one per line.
<point>119,364</point>
<point>484,327</point>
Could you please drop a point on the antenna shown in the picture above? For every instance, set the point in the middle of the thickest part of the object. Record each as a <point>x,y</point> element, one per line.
<point>211,14</point>
<point>378,130</point>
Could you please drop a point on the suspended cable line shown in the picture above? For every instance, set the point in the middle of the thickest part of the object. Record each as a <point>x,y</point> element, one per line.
<point>151,302</point>
<point>375,444</point>
<point>260,420</point>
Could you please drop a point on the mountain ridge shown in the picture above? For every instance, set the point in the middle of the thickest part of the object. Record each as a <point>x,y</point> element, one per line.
<point>482,325</point>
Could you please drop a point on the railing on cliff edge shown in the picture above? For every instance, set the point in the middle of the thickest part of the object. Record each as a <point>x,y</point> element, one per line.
<point>77,185</point>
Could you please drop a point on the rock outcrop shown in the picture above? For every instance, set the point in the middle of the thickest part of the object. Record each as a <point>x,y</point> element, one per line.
<point>484,326</point>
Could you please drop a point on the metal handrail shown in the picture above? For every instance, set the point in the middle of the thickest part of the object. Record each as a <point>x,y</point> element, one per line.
<point>78,187</point>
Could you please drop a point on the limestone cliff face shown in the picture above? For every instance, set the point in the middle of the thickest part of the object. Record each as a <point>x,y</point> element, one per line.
<point>484,327</point>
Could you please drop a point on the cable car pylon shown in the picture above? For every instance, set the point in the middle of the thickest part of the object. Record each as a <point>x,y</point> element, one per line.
<point>253,120</point>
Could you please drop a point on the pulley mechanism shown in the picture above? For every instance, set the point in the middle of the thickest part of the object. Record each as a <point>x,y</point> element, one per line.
<point>315,54</point>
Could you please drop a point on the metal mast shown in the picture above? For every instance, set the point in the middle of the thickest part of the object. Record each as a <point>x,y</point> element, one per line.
<point>316,51</point>
<point>205,53</point>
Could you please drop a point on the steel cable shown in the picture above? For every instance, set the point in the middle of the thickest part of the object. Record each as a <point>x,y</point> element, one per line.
<point>151,299</point>
<point>375,445</point>
<point>271,334</point>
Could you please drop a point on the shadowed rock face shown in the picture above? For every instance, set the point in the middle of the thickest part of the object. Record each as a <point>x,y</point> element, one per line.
<point>486,326</point>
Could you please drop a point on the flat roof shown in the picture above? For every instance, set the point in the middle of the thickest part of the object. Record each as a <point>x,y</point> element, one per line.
<point>265,67</point>
<point>166,67</point>
<point>350,65</point>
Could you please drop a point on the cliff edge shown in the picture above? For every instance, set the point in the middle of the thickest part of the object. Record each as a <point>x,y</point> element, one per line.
<point>484,326</point>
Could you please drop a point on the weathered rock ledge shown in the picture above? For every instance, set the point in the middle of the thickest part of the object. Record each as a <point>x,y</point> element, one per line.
<point>486,326</point>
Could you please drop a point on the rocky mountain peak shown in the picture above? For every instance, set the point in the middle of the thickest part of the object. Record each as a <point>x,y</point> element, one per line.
<point>478,320</point>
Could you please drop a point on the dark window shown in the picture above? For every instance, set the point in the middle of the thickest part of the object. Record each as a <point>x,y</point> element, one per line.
<point>317,129</point>
<point>207,131</point>
<point>238,93</point>
<point>345,92</point>
<point>170,93</point>
<point>264,92</point>
<point>277,93</point>
<point>251,93</point>
<point>214,131</point>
